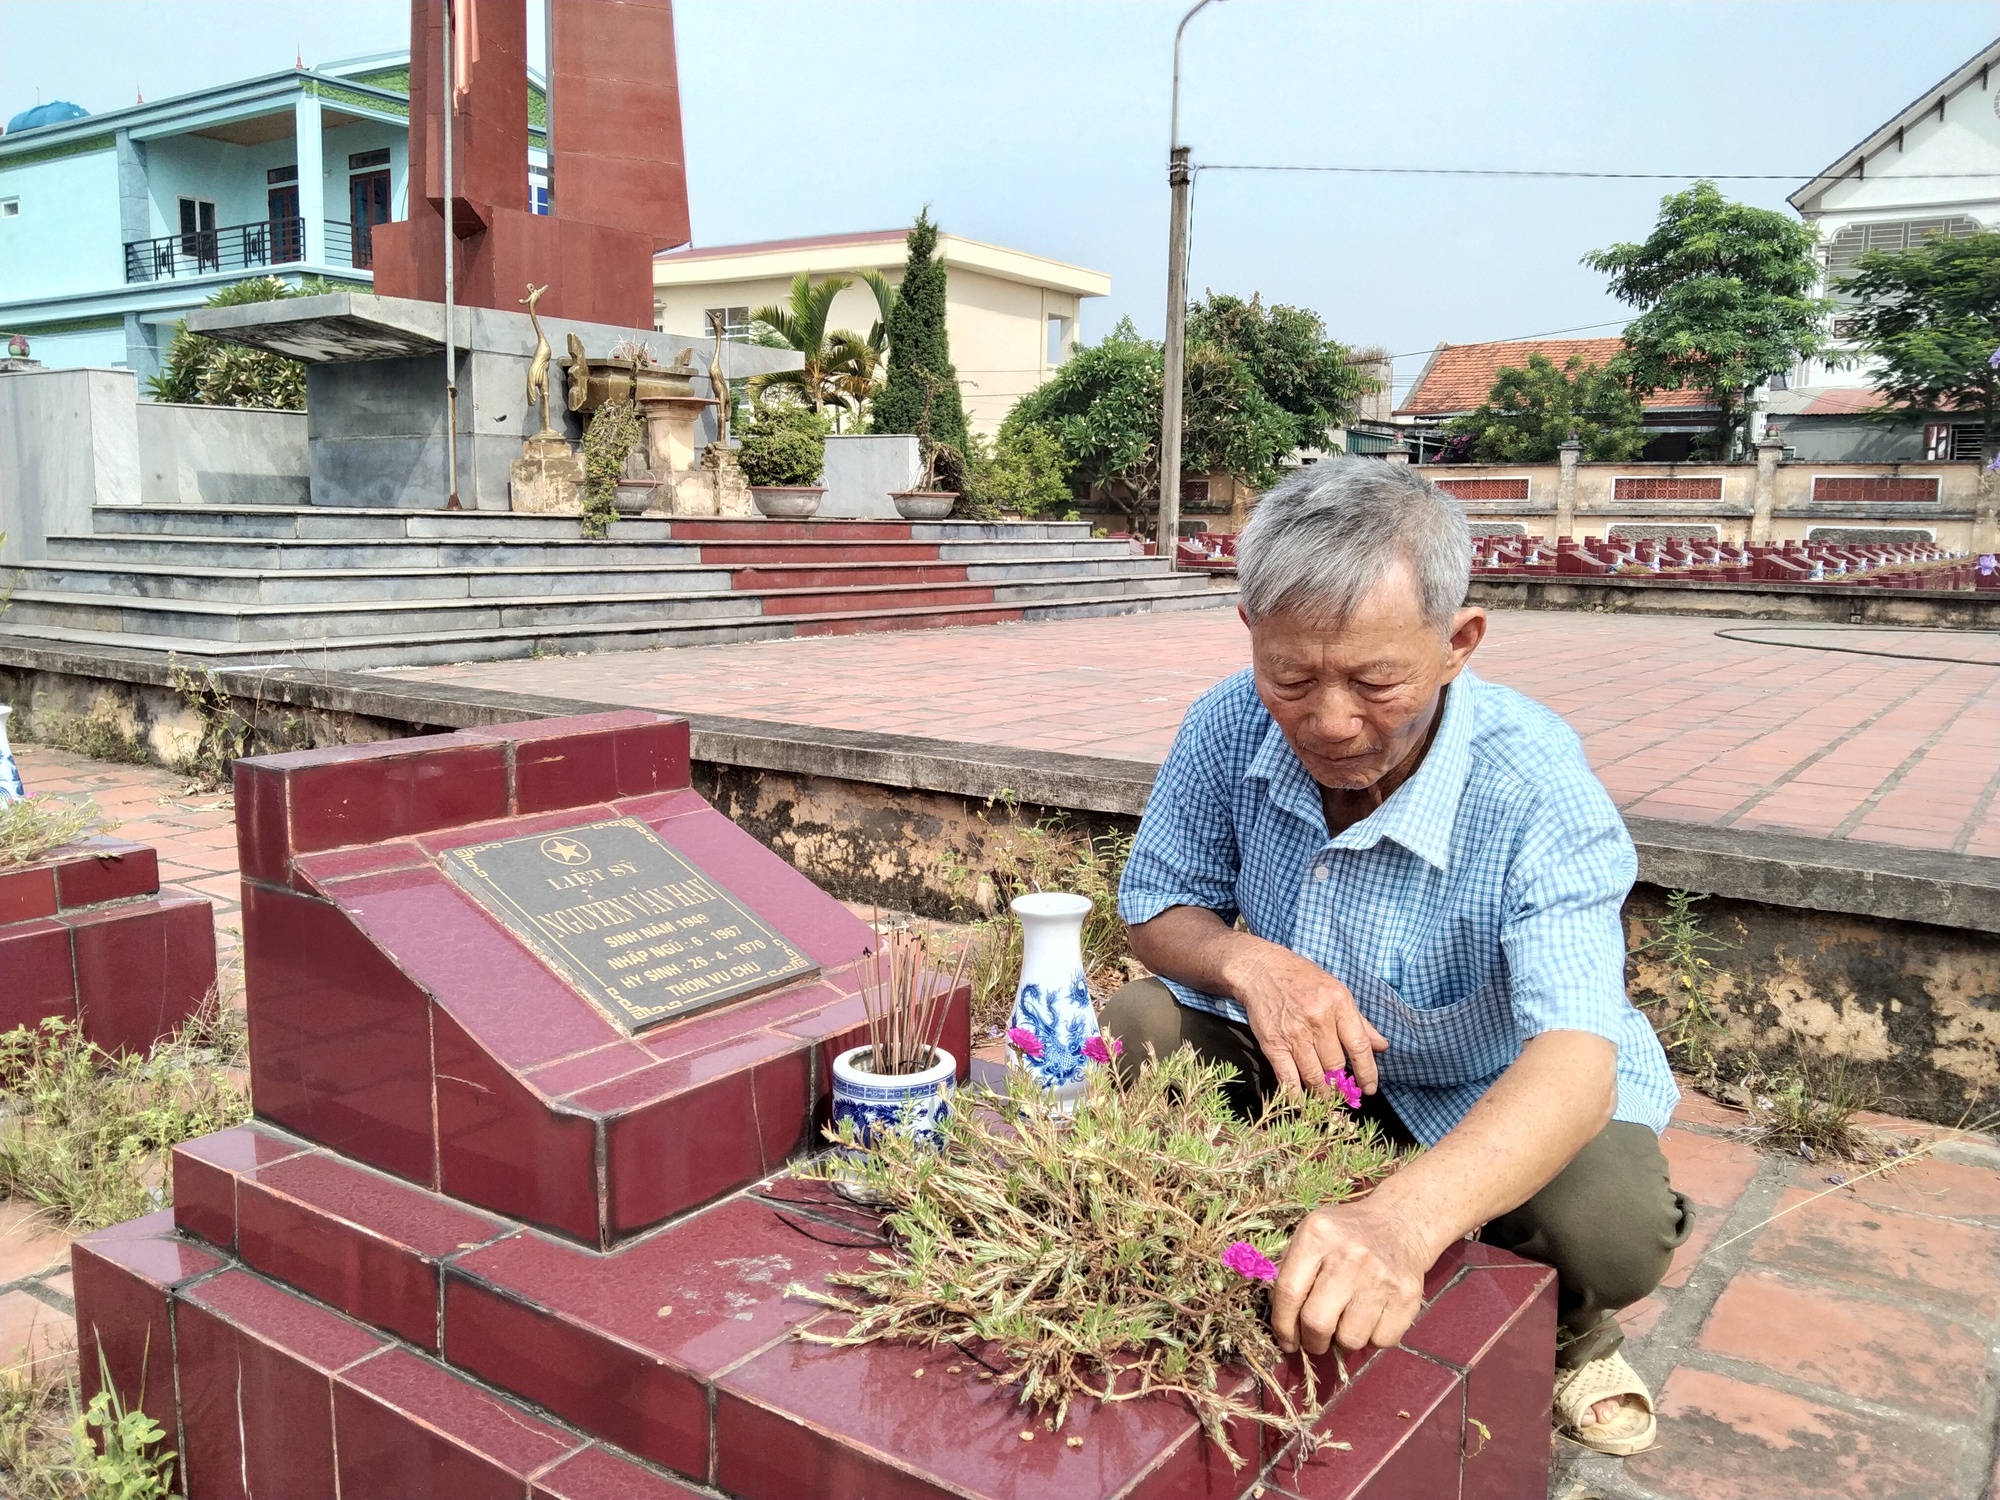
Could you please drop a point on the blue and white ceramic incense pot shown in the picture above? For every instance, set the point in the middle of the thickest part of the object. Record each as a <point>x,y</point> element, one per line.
<point>917,1102</point>
<point>1053,1016</point>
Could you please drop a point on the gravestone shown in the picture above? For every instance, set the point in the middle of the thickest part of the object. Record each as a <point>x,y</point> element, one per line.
<point>534,1032</point>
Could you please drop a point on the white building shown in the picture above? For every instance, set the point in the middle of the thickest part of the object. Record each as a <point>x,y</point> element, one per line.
<point>1011,317</point>
<point>1933,168</point>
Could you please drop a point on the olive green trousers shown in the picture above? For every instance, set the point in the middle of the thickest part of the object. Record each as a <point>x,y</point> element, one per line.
<point>1608,1223</point>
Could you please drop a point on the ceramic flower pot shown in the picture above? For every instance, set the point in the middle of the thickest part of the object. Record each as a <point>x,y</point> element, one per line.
<point>787,502</point>
<point>924,505</point>
<point>1053,1019</point>
<point>11,789</point>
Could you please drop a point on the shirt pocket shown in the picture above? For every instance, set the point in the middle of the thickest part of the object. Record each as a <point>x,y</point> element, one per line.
<point>1441,1046</point>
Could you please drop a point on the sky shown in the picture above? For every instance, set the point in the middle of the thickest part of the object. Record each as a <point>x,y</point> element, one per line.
<point>1043,125</point>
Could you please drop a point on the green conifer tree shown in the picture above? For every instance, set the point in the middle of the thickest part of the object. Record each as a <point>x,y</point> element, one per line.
<point>919,355</point>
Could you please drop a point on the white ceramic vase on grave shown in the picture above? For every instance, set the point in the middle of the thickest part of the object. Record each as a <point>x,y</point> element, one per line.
<point>1053,1017</point>
<point>11,789</point>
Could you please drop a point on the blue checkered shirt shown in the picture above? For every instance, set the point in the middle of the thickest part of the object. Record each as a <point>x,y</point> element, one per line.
<point>1476,907</point>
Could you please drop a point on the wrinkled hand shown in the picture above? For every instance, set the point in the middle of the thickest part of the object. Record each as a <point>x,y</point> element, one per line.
<point>1352,1273</point>
<point>1306,1020</point>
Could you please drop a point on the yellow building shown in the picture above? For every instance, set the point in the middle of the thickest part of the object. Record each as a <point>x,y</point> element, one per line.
<point>1011,316</point>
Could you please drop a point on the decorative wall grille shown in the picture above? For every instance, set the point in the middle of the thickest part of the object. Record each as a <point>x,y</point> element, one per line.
<point>1873,489</point>
<point>1484,489</point>
<point>1698,487</point>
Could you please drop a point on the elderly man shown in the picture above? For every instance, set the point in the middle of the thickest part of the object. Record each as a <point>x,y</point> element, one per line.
<point>1360,857</point>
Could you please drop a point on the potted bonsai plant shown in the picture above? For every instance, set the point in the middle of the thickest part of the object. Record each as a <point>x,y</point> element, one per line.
<point>900,1080</point>
<point>783,455</point>
<point>943,479</point>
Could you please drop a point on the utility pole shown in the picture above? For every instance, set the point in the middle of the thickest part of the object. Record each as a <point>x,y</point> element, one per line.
<point>1179,179</point>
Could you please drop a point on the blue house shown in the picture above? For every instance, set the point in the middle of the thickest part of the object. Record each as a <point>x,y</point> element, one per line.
<point>112,226</point>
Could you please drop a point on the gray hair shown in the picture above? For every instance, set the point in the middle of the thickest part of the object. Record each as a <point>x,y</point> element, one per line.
<point>1322,538</point>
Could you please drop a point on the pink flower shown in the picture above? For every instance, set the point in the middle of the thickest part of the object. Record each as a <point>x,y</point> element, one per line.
<point>1246,1260</point>
<point>1026,1041</point>
<point>1350,1091</point>
<point>1100,1051</point>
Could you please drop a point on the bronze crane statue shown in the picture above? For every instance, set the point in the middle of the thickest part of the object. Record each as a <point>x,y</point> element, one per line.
<point>538,367</point>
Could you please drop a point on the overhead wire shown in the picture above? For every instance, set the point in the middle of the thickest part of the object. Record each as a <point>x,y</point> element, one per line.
<point>1216,166</point>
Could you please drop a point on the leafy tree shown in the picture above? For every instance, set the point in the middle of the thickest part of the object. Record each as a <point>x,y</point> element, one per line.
<point>1025,472</point>
<point>1286,352</point>
<point>1102,408</point>
<point>207,372</point>
<point>920,369</point>
<point>801,324</point>
<point>1725,293</point>
<point>784,443</point>
<point>1931,317</point>
<point>1527,413</point>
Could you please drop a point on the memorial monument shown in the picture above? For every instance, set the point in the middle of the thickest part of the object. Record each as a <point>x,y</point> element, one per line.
<point>534,1031</point>
<point>375,379</point>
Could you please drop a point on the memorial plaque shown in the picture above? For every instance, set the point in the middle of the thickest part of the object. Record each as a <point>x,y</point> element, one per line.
<point>630,922</point>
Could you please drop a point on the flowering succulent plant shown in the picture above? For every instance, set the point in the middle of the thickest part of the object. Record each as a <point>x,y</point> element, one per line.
<point>1024,1041</point>
<point>1111,1251</point>
<point>1246,1260</point>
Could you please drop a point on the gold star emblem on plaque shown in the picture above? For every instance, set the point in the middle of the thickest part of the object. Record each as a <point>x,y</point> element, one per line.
<point>566,851</point>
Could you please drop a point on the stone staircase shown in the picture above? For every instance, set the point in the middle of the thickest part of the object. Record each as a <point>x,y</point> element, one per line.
<point>373,588</point>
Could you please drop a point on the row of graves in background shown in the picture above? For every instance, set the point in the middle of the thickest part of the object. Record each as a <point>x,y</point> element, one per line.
<point>535,1034</point>
<point>1891,565</point>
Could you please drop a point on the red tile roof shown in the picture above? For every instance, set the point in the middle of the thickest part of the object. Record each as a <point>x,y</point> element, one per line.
<point>1459,375</point>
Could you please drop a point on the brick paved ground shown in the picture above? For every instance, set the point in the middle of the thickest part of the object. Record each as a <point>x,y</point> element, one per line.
<point>1845,1349</point>
<point>1684,718</point>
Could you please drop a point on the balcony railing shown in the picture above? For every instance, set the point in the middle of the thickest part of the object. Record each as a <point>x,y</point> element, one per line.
<point>258,246</point>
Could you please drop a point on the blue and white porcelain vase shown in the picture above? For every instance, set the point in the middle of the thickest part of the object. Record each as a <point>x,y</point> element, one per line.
<point>1053,1017</point>
<point>11,789</point>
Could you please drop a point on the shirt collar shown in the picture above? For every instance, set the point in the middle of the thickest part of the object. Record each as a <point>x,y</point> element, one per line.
<point>1419,814</point>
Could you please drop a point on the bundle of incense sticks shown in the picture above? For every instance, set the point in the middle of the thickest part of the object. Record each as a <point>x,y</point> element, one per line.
<point>906,1010</point>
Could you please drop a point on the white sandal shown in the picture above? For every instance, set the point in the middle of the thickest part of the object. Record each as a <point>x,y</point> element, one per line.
<point>1609,1376</point>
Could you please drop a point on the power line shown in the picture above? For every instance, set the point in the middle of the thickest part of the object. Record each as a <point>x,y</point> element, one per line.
<point>1522,338</point>
<point>1210,166</point>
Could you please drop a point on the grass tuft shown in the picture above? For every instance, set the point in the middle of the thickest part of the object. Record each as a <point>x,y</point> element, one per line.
<point>1808,1111</point>
<point>1085,1252</point>
<point>31,827</point>
<point>86,1133</point>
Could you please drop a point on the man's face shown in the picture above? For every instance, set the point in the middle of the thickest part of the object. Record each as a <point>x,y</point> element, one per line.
<point>1353,700</point>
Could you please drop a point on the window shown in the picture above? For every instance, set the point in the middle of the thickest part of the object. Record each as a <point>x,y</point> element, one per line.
<point>281,174</point>
<point>1893,234</point>
<point>198,237</point>
<point>10,208</point>
<point>360,161</point>
<point>538,190</point>
<point>735,322</point>
<point>1058,329</point>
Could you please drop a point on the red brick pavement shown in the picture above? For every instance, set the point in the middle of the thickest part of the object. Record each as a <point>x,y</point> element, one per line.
<point>1680,720</point>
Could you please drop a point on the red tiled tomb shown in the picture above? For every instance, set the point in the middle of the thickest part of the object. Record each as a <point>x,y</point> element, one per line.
<point>482,1238</point>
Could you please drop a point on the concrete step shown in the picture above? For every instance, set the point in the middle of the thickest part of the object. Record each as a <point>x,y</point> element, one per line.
<point>375,553</point>
<point>355,585</point>
<point>499,642</point>
<point>343,522</point>
<point>400,613</point>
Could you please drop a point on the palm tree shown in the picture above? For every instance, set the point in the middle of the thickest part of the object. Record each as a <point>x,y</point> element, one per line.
<point>801,325</point>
